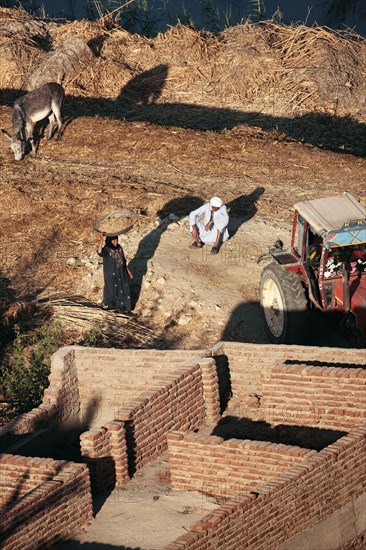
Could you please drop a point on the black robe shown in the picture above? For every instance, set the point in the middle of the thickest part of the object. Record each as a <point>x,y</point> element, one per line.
<point>116,294</point>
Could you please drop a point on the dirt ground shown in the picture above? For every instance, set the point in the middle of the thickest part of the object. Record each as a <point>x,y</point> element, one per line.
<point>188,297</point>
<point>146,500</point>
<point>262,116</point>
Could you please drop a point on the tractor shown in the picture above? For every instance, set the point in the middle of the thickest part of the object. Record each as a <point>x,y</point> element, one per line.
<point>324,269</point>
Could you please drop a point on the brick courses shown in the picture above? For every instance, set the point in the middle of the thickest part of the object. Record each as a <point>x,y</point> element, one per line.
<point>248,364</point>
<point>227,468</point>
<point>294,501</point>
<point>131,400</point>
<point>42,501</point>
<point>325,397</point>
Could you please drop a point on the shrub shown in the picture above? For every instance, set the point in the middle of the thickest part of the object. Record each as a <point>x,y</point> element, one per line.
<point>25,380</point>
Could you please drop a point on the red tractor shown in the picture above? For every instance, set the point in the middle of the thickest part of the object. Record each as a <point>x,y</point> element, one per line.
<point>324,268</point>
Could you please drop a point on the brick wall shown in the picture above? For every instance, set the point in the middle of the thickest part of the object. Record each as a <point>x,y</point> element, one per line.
<point>227,468</point>
<point>105,452</point>
<point>109,379</point>
<point>248,362</point>
<point>89,384</point>
<point>184,398</point>
<point>289,504</point>
<point>60,401</point>
<point>324,397</point>
<point>149,392</point>
<point>43,500</point>
<point>177,404</point>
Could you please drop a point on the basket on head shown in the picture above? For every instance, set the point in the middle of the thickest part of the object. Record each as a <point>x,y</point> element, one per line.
<point>115,223</point>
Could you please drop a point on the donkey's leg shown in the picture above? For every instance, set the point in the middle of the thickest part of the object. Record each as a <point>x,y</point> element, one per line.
<point>51,120</point>
<point>57,113</point>
<point>29,130</point>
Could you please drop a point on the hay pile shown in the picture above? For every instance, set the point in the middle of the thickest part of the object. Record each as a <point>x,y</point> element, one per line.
<point>21,42</point>
<point>106,327</point>
<point>261,68</point>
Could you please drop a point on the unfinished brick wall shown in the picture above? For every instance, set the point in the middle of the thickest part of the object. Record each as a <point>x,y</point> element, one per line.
<point>227,468</point>
<point>324,397</point>
<point>177,404</point>
<point>289,504</point>
<point>109,379</point>
<point>149,392</point>
<point>184,398</point>
<point>90,384</point>
<point>43,500</point>
<point>248,362</point>
<point>105,452</point>
<point>60,401</point>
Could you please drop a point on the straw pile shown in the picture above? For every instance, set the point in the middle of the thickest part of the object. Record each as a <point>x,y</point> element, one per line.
<point>264,68</point>
<point>21,42</point>
<point>112,328</point>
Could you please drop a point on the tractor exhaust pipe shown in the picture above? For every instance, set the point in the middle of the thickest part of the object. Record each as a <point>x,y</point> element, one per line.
<point>345,286</point>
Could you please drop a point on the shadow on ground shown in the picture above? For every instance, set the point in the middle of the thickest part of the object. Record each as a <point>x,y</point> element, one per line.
<point>137,102</point>
<point>244,428</point>
<point>148,245</point>
<point>246,324</point>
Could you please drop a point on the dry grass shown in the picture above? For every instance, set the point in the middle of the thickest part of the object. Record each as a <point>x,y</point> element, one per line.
<point>78,318</point>
<point>266,68</point>
<point>265,83</point>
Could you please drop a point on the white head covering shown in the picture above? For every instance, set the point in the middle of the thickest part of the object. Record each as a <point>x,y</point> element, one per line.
<point>216,201</point>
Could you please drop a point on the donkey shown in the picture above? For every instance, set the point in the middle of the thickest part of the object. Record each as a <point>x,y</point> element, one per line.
<point>34,106</point>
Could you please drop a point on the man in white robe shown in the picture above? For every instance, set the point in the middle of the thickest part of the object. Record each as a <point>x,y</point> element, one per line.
<point>208,224</point>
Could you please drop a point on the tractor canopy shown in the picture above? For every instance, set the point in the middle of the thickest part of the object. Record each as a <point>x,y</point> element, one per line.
<point>340,220</point>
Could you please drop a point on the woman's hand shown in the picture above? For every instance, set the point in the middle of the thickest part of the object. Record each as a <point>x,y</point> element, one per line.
<point>130,274</point>
<point>101,242</point>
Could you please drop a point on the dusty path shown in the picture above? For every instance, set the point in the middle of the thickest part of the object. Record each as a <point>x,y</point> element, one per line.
<point>144,514</point>
<point>188,297</point>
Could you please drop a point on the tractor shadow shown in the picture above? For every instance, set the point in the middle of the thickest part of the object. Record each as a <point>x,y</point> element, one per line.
<point>246,324</point>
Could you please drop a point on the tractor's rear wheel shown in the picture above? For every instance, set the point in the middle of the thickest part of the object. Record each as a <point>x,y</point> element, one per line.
<point>284,305</point>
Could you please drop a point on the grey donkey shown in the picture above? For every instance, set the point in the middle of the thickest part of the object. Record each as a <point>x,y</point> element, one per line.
<point>45,101</point>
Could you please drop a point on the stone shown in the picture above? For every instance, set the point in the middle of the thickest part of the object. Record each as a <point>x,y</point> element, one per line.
<point>71,261</point>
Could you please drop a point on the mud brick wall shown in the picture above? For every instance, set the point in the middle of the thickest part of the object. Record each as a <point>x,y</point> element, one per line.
<point>60,401</point>
<point>296,500</point>
<point>105,452</point>
<point>109,379</point>
<point>323,397</point>
<point>248,362</point>
<point>178,404</point>
<point>88,385</point>
<point>227,468</point>
<point>43,500</point>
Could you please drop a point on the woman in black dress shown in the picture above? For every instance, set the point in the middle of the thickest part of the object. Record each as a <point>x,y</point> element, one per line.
<point>116,294</point>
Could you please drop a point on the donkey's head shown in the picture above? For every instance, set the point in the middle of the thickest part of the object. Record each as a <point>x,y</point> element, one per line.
<point>17,145</point>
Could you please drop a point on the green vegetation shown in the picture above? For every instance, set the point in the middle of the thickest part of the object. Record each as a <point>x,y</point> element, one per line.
<point>94,335</point>
<point>148,17</point>
<point>25,380</point>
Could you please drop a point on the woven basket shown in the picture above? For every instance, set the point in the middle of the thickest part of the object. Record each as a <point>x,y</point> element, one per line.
<point>115,223</point>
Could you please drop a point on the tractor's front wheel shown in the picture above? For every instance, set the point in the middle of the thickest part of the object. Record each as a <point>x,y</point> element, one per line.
<point>284,305</point>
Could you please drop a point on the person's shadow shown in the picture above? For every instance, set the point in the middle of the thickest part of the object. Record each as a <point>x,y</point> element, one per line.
<point>172,211</point>
<point>242,209</point>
